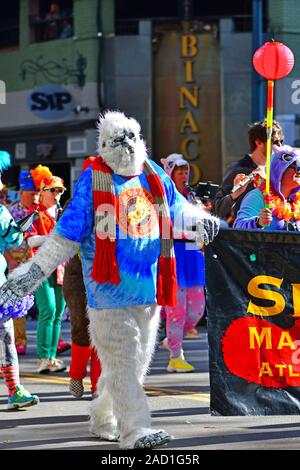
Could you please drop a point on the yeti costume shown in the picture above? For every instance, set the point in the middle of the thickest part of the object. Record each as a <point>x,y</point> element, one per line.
<point>128,269</point>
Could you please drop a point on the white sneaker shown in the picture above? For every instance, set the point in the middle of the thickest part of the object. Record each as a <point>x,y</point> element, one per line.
<point>164,344</point>
<point>44,366</point>
<point>56,365</point>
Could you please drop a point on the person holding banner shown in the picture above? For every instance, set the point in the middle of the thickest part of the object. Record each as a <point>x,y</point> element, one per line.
<point>190,306</point>
<point>227,202</point>
<point>284,199</point>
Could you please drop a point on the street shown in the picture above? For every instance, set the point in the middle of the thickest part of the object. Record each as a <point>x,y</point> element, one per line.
<point>179,404</point>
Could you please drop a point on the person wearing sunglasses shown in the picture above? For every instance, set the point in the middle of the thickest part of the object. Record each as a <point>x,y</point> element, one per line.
<point>284,198</point>
<point>49,296</point>
<point>227,200</point>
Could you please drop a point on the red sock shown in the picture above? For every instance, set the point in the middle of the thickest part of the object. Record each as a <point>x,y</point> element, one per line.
<point>11,378</point>
<point>95,370</point>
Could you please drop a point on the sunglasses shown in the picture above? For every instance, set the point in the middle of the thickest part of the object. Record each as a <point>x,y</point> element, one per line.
<point>277,142</point>
<point>55,190</point>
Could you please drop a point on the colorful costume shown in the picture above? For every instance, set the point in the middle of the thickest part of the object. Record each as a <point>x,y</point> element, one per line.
<point>190,305</point>
<point>286,213</point>
<point>82,351</point>
<point>21,253</point>
<point>48,296</point>
<point>10,235</point>
<point>128,266</point>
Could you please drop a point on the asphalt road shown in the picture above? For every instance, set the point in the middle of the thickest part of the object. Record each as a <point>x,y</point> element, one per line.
<point>179,404</point>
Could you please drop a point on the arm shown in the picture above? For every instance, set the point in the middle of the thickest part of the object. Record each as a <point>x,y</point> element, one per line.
<point>225,200</point>
<point>249,211</point>
<point>62,244</point>
<point>188,220</point>
<point>36,240</point>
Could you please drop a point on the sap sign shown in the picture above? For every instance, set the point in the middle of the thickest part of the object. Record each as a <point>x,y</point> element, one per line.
<point>50,102</point>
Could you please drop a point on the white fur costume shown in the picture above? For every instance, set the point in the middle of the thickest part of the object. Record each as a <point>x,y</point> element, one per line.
<point>124,337</point>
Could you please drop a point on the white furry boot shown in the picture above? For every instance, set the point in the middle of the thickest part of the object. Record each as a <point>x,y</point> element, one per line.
<point>125,340</point>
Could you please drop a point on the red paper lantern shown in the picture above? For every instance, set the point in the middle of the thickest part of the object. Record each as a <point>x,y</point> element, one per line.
<point>273,60</point>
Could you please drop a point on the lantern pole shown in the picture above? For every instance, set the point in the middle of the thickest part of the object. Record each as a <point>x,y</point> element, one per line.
<point>273,60</point>
<point>270,95</point>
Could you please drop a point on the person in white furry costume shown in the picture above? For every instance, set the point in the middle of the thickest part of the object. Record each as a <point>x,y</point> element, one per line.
<point>128,267</point>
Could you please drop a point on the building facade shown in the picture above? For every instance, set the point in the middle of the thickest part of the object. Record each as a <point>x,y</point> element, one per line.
<point>183,72</point>
<point>51,70</point>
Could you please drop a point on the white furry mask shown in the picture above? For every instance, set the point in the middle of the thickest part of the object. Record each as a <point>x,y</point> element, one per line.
<point>120,145</point>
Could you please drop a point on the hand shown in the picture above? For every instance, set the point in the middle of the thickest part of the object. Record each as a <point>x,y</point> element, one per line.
<point>208,229</point>
<point>265,217</point>
<point>239,177</point>
<point>15,289</point>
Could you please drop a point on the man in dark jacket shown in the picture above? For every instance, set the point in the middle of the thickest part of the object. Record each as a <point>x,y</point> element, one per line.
<point>227,203</point>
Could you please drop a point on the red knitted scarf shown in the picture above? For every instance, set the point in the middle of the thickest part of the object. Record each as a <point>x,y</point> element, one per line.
<point>105,266</point>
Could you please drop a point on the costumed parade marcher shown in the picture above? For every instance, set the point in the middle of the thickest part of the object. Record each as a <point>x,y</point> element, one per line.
<point>284,199</point>
<point>189,309</point>
<point>16,255</point>
<point>120,218</point>
<point>11,235</point>
<point>82,351</point>
<point>48,296</point>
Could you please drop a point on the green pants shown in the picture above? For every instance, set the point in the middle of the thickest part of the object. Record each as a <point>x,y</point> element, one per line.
<point>51,305</point>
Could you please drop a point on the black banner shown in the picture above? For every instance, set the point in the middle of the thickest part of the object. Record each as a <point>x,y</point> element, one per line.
<point>253,309</point>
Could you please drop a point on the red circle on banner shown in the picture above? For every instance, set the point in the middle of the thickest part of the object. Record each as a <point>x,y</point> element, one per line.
<point>273,60</point>
<point>261,352</point>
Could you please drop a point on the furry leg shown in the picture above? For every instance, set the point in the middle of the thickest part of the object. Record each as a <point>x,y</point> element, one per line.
<point>103,423</point>
<point>117,335</point>
<point>148,324</point>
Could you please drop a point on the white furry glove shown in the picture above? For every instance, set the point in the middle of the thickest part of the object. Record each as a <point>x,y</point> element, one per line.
<point>36,240</point>
<point>28,276</point>
<point>207,229</point>
<point>195,223</point>
<point>14,290</point>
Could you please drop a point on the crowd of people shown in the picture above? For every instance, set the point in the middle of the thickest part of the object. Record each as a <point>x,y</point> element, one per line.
<point>240,202</point>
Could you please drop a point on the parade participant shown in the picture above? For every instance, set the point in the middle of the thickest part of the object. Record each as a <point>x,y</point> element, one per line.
<point>284,198</point>
<point>189,309</point>
<point>16,255</point>
<point>227,200</point>
<point>10,235</point>
<point>82,351</point>
<point>48,296</point>
<point>121,219</point>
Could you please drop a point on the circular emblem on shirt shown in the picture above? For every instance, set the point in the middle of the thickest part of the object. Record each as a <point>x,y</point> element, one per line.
<point>136,214</point>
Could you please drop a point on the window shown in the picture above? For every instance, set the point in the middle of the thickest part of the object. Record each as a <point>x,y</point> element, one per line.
<point>50,20</point>
<point>9,24</point>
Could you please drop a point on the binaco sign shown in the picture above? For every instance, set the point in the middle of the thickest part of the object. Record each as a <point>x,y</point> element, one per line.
<point>187,102</point>
<point>253,302</point>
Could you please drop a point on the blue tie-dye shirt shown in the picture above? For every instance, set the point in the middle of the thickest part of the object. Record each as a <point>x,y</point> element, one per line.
<point>137,252</point>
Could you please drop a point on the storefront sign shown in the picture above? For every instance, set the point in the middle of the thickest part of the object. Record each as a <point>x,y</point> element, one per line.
<point>189,102</point>
<point>50,102</point>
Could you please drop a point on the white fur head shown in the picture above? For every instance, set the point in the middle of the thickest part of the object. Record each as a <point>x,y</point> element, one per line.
<point>120,144</point>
